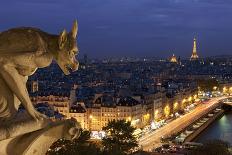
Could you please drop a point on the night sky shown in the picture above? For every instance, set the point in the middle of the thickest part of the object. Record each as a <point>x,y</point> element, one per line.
<point>137,28</point>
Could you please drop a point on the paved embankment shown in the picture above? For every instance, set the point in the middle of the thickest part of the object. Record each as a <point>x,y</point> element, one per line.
<point>203,127</point>
<point>152,140</point>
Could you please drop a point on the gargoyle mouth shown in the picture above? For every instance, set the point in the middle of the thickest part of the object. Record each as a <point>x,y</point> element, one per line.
<point>68,68</point>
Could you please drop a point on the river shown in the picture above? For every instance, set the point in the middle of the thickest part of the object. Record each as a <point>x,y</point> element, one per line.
<point>219,129</point>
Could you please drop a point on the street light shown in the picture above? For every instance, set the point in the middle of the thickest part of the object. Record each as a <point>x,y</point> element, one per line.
<point>190,99</point>
<point>183,104</point>
<point>224,89</point>
<point>230,89</point>
<point>184,100</point>
<point>175,105</point>
<point>167,110</point>
<point>195,97</point>
<point>90,123</point>
<point>215,88</point>
<point>146,116</point>
<point>129,118</point>
<point>156,114</point>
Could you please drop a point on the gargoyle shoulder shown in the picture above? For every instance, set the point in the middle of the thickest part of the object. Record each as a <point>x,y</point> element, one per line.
<point>21,40</point>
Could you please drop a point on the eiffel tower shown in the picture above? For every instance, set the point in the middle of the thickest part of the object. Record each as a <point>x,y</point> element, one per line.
<point>194,55</point>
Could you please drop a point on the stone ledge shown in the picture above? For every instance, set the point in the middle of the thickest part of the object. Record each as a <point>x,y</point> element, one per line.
<point>17,128</point>
<point>31,137</point>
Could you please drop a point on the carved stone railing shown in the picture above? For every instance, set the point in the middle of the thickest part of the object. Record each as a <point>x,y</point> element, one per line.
<point>35,138</point>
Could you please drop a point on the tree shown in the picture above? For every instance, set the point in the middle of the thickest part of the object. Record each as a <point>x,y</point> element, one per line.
<point>119,139</point>
<point>212,147</point>
<point>140,152</point>
<point>79,146</point>
<point>207,84</point>
<point>59,147</point>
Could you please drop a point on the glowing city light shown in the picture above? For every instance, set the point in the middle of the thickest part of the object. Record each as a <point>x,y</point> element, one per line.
<point>156,113</point>
<point>175,105</point>
<point>167,110</point>
<point>215,88</point>
<point>190,99</point>
<point>184,100</point>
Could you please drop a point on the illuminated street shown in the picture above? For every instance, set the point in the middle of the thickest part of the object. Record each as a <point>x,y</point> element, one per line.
<point>152,140</point>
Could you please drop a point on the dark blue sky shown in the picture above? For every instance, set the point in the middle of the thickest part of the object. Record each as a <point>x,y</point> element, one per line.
<point>138,28</point>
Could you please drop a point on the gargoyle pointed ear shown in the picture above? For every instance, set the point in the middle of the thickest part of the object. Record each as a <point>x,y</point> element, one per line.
<point>74,29</point>
<point>62,39</point>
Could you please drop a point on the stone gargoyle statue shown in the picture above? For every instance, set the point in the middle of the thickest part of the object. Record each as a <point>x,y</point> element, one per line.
<point>22,51</point>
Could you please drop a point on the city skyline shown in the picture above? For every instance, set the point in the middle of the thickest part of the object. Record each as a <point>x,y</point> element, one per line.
<point>125,77</point>
<point>131,29</point>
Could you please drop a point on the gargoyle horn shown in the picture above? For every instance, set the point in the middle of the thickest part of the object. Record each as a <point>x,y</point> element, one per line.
<point>74,29</point>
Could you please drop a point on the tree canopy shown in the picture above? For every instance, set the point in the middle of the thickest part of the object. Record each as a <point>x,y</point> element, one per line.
<point>207,84</point>
<point>119,139</point>
<point>79,146</point>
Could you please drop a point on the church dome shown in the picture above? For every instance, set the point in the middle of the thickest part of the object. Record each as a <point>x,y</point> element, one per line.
<point>173,58</point>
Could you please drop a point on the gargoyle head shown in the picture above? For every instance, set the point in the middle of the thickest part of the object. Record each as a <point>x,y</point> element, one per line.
<point>68,50</point>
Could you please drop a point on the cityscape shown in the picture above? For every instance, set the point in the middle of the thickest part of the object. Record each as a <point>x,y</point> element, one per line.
<point>128,78</point>
<point>161,98</point>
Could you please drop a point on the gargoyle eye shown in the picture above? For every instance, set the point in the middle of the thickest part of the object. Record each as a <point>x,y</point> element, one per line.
<point>70,53</point>
<point>75,51</point>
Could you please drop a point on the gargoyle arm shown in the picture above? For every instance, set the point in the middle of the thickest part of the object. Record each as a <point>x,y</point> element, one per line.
<point>17,85</point>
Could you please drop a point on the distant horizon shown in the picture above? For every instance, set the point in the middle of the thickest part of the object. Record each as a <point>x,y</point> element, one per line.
<point>146,57</point>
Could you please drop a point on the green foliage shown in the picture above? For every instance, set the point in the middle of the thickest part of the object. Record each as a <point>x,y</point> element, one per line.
<point>119,139</point>
<point>213,147</point>
<point>59,147</point>
<point>207,85</point>
<point>140,152</point>
<point>80,146</point>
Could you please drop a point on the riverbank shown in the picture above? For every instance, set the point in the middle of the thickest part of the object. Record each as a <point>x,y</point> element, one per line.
<point>204,126</point>
<point>221,129</point>
<point>153,139</point>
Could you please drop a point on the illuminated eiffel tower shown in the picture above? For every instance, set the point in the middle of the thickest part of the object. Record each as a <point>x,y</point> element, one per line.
<point>194,55</point>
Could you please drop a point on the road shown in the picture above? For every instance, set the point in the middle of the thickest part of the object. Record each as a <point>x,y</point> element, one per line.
<point>152,140</point>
